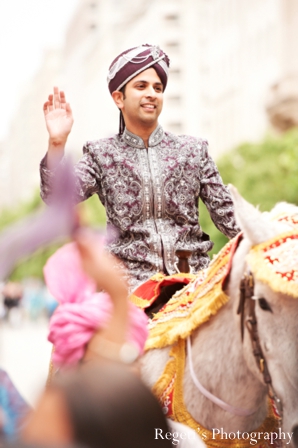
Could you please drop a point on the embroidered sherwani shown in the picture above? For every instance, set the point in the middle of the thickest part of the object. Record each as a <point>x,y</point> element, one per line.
<point>151,197</point>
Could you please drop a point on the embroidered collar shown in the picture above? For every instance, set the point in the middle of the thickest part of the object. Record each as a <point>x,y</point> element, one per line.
<point>137,142</point>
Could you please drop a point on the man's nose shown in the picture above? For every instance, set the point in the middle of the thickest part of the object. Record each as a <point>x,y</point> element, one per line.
<point>150,91</point>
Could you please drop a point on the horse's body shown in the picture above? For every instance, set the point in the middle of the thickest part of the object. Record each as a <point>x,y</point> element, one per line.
<point>223,363</point>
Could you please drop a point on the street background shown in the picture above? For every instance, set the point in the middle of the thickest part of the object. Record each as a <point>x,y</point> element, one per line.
<point>25,354</point>
<point>233,72</point>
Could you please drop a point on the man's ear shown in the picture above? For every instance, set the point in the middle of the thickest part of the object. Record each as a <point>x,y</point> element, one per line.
<point>118,98</point>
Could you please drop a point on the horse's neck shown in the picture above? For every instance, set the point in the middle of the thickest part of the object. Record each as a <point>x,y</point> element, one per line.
<point>220,366</point>
<point>218,358</point>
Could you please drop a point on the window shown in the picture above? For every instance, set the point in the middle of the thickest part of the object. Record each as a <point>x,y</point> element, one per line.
<point>173,44</point>
<point>171,17</point>
<point>175,127</point>
<point>174,100</point>
<point>175,71</point>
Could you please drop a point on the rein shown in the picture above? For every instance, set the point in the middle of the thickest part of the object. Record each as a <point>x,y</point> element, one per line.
<point>247,297</point>
<point>222,404</point>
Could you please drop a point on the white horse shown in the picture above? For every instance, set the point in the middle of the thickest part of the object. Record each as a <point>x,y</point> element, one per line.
<point>224,364</point>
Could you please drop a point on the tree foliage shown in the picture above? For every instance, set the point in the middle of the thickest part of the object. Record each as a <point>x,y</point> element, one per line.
<point>264,173</point>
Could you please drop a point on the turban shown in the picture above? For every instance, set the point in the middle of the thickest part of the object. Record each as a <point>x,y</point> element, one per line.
<point>82,311</point>
<point>134,61</point>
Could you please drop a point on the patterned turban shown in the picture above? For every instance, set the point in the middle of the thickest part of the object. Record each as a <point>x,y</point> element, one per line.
<point>134,61</point>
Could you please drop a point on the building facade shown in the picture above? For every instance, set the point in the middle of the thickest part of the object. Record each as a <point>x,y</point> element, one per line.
<point>233,74</point>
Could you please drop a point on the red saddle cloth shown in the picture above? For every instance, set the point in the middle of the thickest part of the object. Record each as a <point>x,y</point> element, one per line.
<point>147,293</point>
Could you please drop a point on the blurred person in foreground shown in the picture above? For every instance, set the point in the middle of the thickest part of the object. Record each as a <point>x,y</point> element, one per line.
<point>12,293</point>
<point>149,180</point>
<point>13,408</point>
<point>101,402</point>
<point>94,315</point>
<point>21,444</point>
<point>100,405</point>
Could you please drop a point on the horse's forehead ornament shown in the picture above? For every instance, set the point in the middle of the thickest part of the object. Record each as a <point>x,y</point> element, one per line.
<point>275,263</point>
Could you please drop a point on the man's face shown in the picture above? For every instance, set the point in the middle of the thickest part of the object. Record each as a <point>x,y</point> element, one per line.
<point>143,99</point>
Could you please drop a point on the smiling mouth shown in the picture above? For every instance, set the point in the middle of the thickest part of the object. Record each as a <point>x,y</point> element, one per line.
<point>148,106</point>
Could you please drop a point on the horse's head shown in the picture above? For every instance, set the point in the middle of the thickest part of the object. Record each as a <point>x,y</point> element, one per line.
<point>269,250</point>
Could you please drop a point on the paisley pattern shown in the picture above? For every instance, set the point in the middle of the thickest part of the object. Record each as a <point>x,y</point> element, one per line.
<point>151,197</point>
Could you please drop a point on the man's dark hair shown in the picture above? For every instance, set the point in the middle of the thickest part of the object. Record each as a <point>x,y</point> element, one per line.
<point>123,91</point>
<point>121,118</point>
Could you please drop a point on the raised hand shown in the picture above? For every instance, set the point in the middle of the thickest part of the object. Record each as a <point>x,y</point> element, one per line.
<point>58,117</point>
<point>103,267</point>
<point>107,272</point>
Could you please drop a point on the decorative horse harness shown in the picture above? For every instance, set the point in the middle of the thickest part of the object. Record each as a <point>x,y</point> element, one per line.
<point>272,262</point>
<point>247,298</point>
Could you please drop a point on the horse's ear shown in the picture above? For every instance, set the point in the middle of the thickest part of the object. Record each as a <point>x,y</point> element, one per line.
<point>256,226</point>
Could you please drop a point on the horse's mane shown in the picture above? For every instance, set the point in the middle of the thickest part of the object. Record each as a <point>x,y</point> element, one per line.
<point>284,213</point>
<point>284,207</point>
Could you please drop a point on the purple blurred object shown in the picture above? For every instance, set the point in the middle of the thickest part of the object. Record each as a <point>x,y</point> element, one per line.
<point>53,224</point>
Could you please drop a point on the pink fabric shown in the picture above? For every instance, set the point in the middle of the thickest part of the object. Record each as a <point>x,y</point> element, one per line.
<point>81,311</point>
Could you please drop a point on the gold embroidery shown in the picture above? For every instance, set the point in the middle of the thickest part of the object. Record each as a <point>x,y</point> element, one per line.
<point>169,391</point>
<point>193,305</point>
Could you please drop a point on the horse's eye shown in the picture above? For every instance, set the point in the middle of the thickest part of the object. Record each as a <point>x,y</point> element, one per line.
<point>264,305</point>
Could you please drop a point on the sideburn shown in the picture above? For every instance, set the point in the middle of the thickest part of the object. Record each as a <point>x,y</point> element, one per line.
<point>121,118</point>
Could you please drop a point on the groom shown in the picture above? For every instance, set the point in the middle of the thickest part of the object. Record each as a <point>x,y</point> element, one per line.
<point>149,180</point>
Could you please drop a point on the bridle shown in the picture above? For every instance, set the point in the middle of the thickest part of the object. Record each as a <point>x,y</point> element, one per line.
<point>247,298</point>
<point>246,309</point>
<point>247,301</point>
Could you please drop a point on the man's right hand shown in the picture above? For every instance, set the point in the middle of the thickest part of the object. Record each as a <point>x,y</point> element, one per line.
<point>58,116</point>
<point>59,121</point>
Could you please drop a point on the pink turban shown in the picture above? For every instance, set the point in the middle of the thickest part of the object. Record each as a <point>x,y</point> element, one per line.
<point>82,311</point>
<point>134,61</point>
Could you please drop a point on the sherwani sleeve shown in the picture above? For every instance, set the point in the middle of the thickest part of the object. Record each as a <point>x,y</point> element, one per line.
<point>87,176</point>
<point>216,195</point>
